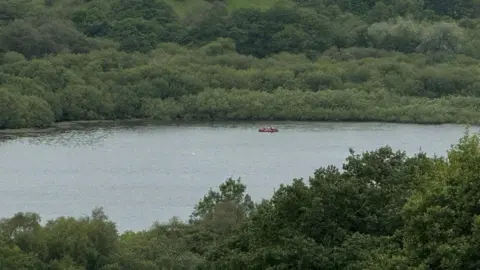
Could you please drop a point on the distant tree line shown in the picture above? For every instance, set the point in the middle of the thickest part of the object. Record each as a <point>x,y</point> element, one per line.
<point>401,61</point>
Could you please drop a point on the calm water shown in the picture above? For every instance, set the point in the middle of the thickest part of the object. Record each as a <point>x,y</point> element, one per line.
<point>140,174</point>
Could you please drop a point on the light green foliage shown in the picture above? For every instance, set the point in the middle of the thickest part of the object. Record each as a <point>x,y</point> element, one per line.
<point>214,83</point>
<point>400,61</point>
<point>442,218</point>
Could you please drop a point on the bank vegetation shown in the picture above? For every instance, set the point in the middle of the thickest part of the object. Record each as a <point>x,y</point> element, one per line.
<point>400,61</point>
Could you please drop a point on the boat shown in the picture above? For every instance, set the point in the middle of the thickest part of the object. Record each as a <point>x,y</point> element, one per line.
<point>268,129</point>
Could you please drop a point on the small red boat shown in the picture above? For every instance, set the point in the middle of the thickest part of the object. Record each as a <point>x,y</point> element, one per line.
<point>268,129</point>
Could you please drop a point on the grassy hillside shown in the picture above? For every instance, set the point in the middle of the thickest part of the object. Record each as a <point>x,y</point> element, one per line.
<point>402,61</point>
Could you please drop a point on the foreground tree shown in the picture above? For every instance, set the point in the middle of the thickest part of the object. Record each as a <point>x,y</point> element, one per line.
<point>443,217</point>
<point>316,225</point>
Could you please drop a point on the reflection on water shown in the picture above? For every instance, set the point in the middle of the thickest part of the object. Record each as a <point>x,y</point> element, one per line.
<point>146,172</point>
<point>75,138</point>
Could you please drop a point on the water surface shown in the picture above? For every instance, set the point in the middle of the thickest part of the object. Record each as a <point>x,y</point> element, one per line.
<point>148,172</point>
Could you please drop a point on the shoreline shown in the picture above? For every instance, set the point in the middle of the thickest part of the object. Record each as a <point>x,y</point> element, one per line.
<point>60,126</point>
<point>81,124</point>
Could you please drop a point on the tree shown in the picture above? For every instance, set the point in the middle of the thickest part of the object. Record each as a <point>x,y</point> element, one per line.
<point>442,222</point>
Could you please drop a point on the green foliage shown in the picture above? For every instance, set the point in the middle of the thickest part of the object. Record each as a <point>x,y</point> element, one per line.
<point>442,218</point>
<point>216,83</point>
<point>230,192</point>
<point>401,61</point>
<point>383,210</point>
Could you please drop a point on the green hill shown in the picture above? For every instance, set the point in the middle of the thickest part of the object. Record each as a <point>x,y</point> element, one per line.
<point>403,61</point>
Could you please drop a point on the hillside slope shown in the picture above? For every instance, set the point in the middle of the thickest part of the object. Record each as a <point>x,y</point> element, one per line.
<point>403,61</point>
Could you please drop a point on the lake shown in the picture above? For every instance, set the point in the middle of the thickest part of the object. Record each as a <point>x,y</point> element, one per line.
<point>145,172</point>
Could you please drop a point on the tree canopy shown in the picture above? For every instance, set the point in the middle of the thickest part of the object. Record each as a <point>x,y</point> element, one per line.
<point>381,210</point>
<point>401,61</point>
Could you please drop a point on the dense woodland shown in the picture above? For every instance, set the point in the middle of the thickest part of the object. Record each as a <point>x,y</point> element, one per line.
<point>383,210</point>
<point>402,61</point>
